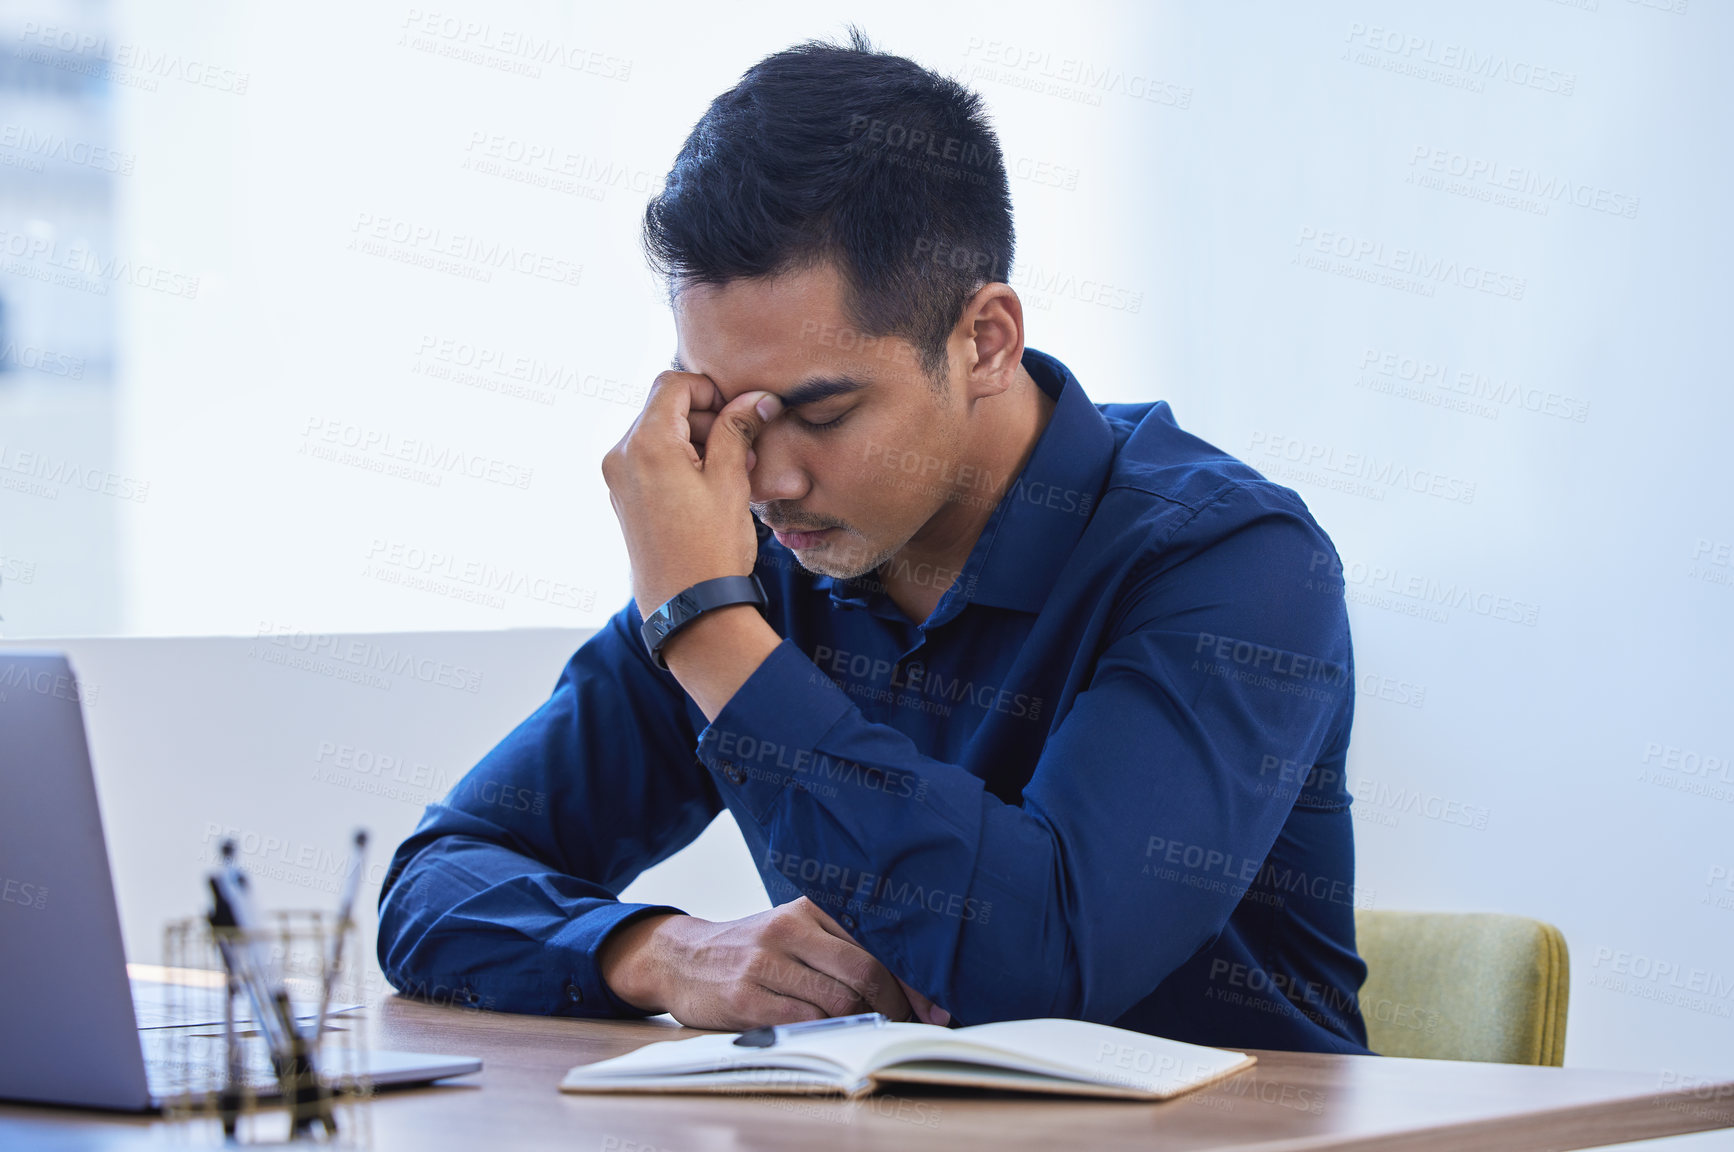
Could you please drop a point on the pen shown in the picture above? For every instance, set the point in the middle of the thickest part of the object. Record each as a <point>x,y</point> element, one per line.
<point>345,907</point>
<point>770,1034</point>
<point>233,908</point>
<point>292,1057</point>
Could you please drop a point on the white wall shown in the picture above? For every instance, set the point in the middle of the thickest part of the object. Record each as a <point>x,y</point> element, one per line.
<point>1545,661</point>
<point>286,742</point>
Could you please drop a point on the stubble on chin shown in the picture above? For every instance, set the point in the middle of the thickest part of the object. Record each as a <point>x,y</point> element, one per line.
<point>849,561</point>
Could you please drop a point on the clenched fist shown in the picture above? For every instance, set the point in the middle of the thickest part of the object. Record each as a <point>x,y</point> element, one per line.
<point>789,964</point>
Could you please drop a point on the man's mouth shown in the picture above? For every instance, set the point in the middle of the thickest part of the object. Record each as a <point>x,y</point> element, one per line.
<point>794,541</point>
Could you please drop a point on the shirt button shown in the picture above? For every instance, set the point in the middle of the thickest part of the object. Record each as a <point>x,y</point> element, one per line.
<point>734,773</point>
<point>847,921</point>
<point>574,994</point>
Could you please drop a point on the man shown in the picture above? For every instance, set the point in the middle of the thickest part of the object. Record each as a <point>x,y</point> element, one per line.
<point>1046,711</point>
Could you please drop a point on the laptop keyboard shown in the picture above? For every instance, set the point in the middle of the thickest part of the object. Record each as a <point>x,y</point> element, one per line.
<point>182,1064</point>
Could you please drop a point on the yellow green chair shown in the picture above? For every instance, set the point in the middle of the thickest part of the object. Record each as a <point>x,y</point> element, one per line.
<point>1464,986</point>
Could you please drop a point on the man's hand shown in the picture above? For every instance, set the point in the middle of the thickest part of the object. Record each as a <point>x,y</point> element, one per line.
<point>684,512</point>
<point>789,964</point>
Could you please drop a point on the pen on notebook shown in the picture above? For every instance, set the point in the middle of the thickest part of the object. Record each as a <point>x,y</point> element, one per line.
<point>770,1034</point>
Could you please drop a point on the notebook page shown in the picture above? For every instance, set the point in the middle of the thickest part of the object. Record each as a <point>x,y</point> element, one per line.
<point>1104,1054</point>
<point>702,1054</point>
<point>751,1081</point>
<point>857,1051</point>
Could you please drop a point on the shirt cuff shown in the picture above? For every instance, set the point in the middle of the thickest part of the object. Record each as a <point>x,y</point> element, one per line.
<point>763,739</point>
<point>581,991</point>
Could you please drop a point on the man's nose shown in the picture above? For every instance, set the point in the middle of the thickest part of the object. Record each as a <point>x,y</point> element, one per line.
<point>777,474</point>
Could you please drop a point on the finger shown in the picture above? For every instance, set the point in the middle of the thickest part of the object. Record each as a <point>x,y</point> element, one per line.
<point>924,1008</point>
<point>689,389</point>
<point>818,987</point>
<point>854,967</point>
<point>736,427</point>
<point>784,972</point>
<point>700,424</point>
<point>674,397</point>
<point>920,1007</point>
<point>748,1006</point>
<point>823,918</point>
<point>767,1006</point>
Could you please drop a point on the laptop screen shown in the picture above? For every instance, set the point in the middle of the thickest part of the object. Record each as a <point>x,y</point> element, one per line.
<point>68,1034</point>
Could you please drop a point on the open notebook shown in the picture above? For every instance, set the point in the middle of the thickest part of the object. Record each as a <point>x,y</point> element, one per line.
<point>1061,1056</point>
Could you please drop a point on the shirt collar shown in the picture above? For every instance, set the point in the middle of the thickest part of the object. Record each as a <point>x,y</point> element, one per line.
<point>1041,513</point>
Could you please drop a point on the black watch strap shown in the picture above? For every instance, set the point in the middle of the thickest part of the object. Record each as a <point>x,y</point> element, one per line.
<point>684,607</point>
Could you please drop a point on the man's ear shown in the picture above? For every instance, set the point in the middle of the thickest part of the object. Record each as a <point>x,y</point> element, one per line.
<point>992,325</point>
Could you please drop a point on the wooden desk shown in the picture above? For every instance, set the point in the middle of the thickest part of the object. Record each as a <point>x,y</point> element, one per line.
<point>1288,1102</point>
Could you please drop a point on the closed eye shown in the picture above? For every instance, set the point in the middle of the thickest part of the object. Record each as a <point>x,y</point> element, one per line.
<point>826,424</point>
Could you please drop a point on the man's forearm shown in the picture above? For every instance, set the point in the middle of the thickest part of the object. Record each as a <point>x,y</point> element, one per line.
<point>628,964</point>
<point>467,920</point>
<point>716,653</point>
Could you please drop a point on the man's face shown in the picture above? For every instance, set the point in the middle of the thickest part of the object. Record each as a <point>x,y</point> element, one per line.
<point>854,483</point>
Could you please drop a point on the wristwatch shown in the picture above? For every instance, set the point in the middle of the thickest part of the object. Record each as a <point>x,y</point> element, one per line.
<point>684,607</point>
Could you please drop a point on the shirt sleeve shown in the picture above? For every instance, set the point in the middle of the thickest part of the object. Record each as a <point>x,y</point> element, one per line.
<point>506,890</point>
<point>1227,645</point>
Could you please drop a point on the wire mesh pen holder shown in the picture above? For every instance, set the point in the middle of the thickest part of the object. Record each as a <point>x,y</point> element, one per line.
<point>263,1085</point>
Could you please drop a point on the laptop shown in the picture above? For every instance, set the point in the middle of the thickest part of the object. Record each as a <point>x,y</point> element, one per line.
<point>68,1032</point>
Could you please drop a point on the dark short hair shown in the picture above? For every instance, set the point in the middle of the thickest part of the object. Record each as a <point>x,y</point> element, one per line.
<point>843,154</point>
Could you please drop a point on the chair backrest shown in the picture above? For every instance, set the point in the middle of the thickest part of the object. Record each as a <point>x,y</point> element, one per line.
<point>1464,986</point>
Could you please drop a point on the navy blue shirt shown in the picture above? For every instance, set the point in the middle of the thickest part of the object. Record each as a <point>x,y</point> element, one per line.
<point>1103,780</point>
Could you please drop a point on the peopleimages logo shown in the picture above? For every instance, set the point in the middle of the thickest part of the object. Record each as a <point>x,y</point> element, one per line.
<point>1409,262</point>
<point>746,755</point>
<point>1061,282</point>
<point>859,888</point>
<point>40,466</point>
<point>547,159</point>
<point>394,562</point>
<point>464,254</point>
<point>325,653</point>
<point>1427,58</point>
<point>1378,475</point>
<point>77,266</point>
<point>1470,390</point>
<point>924,683</point>
<point>1486,179</point>
<point>1069,77</point>
<point>38,359</point>
<point>23,893</point>
<point>1376,584</point>
<point>1664,980</point>
<point>506,49</point>
<point>64,149</point>
<point>326,437</point>
<point>18,677</point>
<point>134,65</point>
